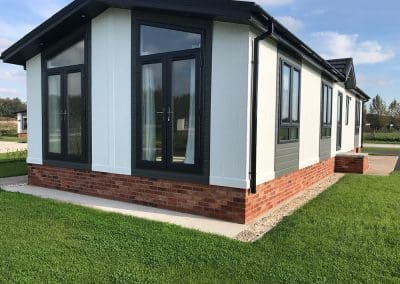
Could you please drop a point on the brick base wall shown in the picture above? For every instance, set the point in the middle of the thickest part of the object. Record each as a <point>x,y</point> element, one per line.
<point>357,163</point>
<point>272,193</point>
<point>230,204</point>
<point>22,135</point>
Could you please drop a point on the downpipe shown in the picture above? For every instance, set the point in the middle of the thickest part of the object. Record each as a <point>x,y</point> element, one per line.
<point>254,107</point>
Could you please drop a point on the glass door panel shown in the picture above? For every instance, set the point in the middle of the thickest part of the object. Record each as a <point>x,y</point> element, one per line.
<point>55,114</point>
<point>152,110</point>
<point>74,114</point>
<point>339,122</point>
<point>183,115</point>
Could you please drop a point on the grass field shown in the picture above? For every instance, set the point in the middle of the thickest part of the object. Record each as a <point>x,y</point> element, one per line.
<point>350,233</point>
<point>381,151</point>
<point>382,138</point>
<point>13,164</point>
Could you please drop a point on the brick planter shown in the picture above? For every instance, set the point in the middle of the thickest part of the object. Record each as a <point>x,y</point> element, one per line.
<point>230,204</point>
<point>351,163</point>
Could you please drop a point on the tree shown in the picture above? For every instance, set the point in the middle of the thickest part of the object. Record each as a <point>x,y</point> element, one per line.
<point>379,110</point>
<point>8,107</point>
<point>394,109</point>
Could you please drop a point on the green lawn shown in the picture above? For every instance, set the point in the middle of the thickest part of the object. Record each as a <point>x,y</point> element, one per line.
<point>381,151</point>
<point>350,233</point>
<point>13,164</point>
<point>13,139</point>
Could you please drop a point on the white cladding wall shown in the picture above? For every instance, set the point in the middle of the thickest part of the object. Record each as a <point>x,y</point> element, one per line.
<point>267,88</point>
<point>111,92</point>
<point>230,97</point>
<point>310,113</point>
<point>34,96</point>
<point>348,130</point>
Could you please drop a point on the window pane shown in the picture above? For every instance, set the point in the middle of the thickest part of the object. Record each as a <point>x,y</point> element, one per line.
<point>152,112</point>
<point>73,55</point>
<point>294,133</point>
<point>340,108</point>
<point>285,94</point>
<point>295,96</point>
<point>158,40</point>
<point>347,109</point>
<point>54,114</point>
<point>284,134</point>
<point>325,105</point>
<point>329,103</point>
<point>184,111</point>
<point>74,111</point>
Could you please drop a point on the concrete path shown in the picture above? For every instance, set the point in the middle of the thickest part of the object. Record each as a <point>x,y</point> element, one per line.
<point>14,181</point>
<point>389,146</point>
<point>12,147</point>
<point>208,225</point>
<point>382,165</point>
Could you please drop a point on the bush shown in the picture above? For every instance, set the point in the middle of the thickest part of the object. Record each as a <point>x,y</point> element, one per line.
<point>393,137</point>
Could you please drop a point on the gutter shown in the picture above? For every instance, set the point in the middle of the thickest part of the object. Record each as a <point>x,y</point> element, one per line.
<point>254,106</point>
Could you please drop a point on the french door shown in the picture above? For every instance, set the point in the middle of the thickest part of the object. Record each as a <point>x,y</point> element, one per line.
<point>65,115</point>
<point>339,122</point>
<point>168,111</point>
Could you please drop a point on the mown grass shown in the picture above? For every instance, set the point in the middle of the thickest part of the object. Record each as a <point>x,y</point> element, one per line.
<point>13,164</point>
<point>349,233</point>
<point>381,151</point>
<point>382,138</point>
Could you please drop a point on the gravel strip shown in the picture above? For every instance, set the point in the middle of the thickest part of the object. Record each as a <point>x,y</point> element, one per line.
<point>272,218</point>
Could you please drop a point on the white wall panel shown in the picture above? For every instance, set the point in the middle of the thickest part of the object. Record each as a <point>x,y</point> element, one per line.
<point>34,98</point>
<point>111,92</point>
<point>230,96</point>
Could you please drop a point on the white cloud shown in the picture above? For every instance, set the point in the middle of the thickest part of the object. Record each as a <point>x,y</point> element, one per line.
<point>336,45</point>
<point>13,75</point>
<point>4,44</point>
<point>291,23</point>
<point>14,31</point>
<point>7,91</point>
<point>374,80</point>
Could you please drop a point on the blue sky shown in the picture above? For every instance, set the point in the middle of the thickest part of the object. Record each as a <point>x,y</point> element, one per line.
<point>368,31</point>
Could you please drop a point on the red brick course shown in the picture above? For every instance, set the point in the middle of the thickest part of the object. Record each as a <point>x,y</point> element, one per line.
<point>357,164</point>
<point>231,204</point>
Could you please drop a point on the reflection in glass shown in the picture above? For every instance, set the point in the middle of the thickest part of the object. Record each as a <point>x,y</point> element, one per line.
<point>73,55</point>
<point>184,108</point>
<point>295,96</point>
<point>152,112</point>
<point>74,100</point>
<point>158,40</point>
<point>285,94</point>
<point>54,114</point>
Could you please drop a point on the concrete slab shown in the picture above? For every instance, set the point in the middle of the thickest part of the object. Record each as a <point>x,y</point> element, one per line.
<point>208,225</point>
<point>14,181</point>
<point>382,165</point>
<point>389,146</point>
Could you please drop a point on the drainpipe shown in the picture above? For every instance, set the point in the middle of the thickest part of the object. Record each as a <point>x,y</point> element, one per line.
<point>254,107</point>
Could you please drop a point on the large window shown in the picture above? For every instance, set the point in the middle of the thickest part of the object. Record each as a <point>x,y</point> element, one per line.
<point>358,117</point>
<point>339,121</point>
<point>289,102</point>
<point>168,98</point>
<point>66,125</point>
<point>326,111</point>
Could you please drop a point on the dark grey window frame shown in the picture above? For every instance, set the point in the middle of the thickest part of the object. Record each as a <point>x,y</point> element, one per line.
<point>328,124</point>
<point>201,172</point>
<point>348,102</point>
<point>84,162</point>
<point>283,60</point>
<point>339,121</point>
<point>357,117</point>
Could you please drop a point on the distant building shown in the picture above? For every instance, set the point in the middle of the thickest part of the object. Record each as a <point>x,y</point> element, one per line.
<point>22,123</point>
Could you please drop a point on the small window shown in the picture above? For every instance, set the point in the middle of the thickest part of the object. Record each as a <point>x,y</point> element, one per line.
<point>358,118</point>
<point>74,55</point>
<point>326,111</point>
<point>289,100</point>
<point>347,109</point>
<point>155,40</point>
